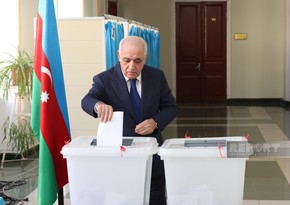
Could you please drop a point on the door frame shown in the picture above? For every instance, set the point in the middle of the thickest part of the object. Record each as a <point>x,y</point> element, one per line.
<point>173,41</point>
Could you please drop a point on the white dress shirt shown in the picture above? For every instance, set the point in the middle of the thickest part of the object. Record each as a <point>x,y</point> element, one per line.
<point>138,84</point>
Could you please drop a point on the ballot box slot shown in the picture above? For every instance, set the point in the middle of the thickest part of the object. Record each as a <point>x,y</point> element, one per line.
<point>125,142</point>
<point>205,143</point>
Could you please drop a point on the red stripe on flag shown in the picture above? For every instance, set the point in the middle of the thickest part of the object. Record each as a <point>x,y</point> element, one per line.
<point>38,47</point>
<point>55,133</point>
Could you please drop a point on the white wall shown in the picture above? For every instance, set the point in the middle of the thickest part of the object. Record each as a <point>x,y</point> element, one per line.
<point>27,11</point>
<point>8,44</point>
<point>287,52</point>
<point>258,63</point>
<point>82,45</point>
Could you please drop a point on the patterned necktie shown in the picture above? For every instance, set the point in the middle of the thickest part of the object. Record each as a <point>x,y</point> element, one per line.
<point>135,98</point>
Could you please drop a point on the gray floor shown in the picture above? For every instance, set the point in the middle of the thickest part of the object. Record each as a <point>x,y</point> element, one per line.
<point>266,178</point>
<point>22,174</point>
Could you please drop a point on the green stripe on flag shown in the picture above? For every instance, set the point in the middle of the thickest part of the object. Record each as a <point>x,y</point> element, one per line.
<point>47,185</point>
<point>35,106</point>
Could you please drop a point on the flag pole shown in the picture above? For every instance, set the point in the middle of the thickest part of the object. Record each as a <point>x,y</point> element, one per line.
<point>60,197</point>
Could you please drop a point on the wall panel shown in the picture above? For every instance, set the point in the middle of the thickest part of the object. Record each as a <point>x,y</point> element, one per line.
<point>82,44</point>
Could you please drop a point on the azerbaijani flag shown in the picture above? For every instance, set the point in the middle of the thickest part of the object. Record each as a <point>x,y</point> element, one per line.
<point>49,116</point>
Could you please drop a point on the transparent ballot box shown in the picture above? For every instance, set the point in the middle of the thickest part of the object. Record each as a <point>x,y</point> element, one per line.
<point>110,175</point>
<point>200,171</point>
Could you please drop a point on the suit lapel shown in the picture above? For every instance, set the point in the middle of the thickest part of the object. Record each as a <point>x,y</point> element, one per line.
<point>147,84</point>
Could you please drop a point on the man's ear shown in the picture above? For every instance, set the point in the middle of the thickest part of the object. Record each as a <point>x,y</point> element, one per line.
<point>118,54</point>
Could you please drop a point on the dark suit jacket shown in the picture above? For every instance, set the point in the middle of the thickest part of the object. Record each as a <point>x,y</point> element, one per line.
<point>158,102</point>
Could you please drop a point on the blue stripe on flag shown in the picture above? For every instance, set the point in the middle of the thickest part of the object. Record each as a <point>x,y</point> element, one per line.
<point>49,38</point>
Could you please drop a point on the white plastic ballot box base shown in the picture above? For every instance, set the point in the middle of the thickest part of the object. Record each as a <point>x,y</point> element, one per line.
<point>107,176</point>
<point>202,175</point>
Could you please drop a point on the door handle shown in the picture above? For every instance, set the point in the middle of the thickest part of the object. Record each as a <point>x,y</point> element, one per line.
<point>197,67</point>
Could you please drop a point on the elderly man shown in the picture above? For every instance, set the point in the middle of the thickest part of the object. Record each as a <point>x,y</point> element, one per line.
<point>144,96</point>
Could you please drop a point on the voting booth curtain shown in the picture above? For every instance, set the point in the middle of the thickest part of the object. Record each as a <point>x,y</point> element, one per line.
<point>153,42</point>
<point>114,32</point>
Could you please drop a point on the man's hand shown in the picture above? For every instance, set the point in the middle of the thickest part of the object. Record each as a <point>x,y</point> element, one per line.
<point>146,127</point>
<point>104,111</point>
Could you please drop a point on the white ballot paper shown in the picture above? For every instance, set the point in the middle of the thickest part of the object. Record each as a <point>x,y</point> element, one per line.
<point>110,133</point>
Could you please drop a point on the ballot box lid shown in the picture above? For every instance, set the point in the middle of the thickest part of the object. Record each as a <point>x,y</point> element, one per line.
<point>131,147</point>
<point>198,147</point>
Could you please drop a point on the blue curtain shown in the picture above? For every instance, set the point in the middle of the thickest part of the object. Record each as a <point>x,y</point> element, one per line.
<point>156,46</point>
<point>153,42</point>
<point>114,34</point>
<point>2,202</point>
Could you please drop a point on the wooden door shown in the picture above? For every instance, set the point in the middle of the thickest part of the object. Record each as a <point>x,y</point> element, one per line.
<point>201,52</point>
<point>112,8</point>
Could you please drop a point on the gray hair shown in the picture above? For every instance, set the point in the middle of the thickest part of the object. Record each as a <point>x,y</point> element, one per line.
<point>133,40</point>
